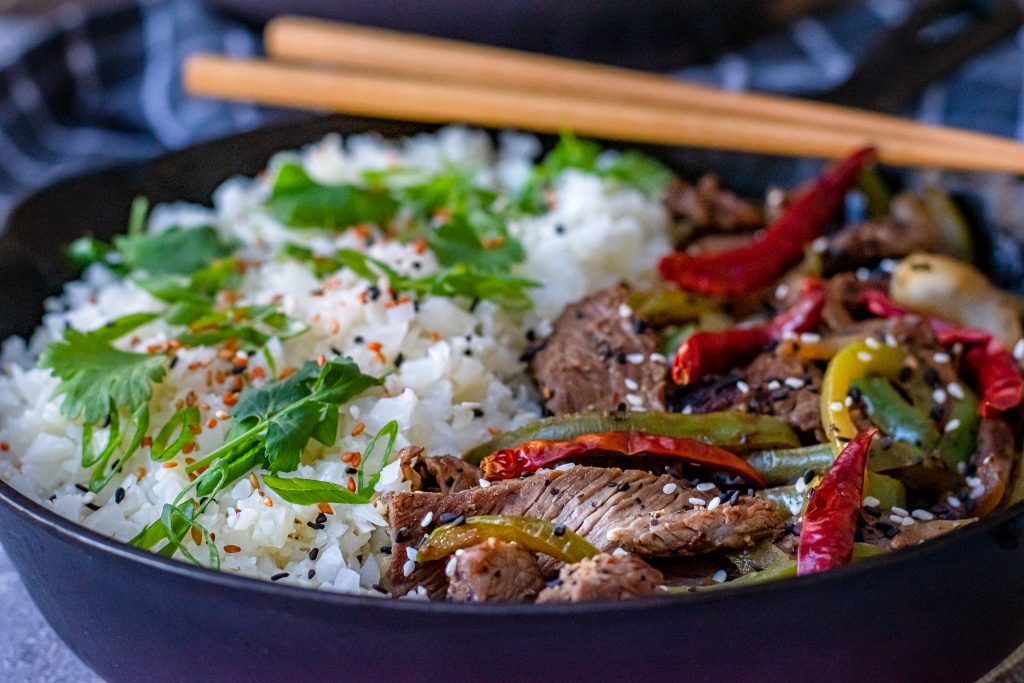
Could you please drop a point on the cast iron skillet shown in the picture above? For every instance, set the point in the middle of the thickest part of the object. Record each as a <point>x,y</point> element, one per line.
<point>946,610</point>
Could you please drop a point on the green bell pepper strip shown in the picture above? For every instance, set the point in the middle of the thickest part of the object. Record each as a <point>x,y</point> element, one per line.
<point>850,364</point>
<point>760,557</point>
<point>661,307</point>
<point>730,430</point>
<point>537,535</point>
<point>889,492</point>
<point>788,501</point>
<point>957,444</point>
<point>893,415</point>
<point>783,466</point>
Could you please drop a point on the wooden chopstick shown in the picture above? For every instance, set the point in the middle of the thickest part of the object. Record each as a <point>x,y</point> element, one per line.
<point>339,44</point>
<point>384,96</point>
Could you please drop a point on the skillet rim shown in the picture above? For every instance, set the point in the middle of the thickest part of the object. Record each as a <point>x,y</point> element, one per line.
<point>42,518</point>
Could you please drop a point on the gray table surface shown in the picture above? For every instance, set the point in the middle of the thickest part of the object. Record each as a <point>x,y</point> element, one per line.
<point>29,649</point>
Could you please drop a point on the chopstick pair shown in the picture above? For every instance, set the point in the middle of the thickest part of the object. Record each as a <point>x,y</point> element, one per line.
<point>338,67</point>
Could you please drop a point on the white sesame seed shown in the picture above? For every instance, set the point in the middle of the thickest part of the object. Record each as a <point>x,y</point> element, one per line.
<point>864,356</point>
<point>743,387</point>
<point>633,400</point>
<point>1018,349</point>
<point>819,245</point>
<point>898,519</point>
<point>631,384</point>
<point>952,425</point>
<point>848,401</point>
<point>484,483</point>
<point>923,515</point>
<point>801,485</point>
<point>872,343</point>
<point>939,396</point>
<point>887,265</point>
<point>699,502</point>
<point>794,382</point>
<point>411,553</point>
<point>973,481</point>
<point>863,274</point>
<point>955,390</point>
<point>890,341</point>
<point>835,406</point>
<point>790,335</point>
<point>897,510</point>
<point>781,291</point>
<point>977,492</point>
<point>961,467</point>
<point>687,410</point>
<point>565,467</point>
<point>625,311</point>
<point>408,568</point>
<point>610,534</point>
<point>714,502</point>
<point>871,501</point>
<point>427,519</point>
<point>705,487</point>
<point>658,358</point>
<point>669,488</point>
<point>953,501</point>
<point>941,357</point>
<point>720,576</point>
<point>449,569</point>
<point>907,521</point>
<point>221,415</point>
<point>773,385</point>
<point>810,338</point>
<point>635,358</point>
<point>619,552</point>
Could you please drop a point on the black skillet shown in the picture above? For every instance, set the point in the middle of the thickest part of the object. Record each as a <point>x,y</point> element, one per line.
<point>950,609</point>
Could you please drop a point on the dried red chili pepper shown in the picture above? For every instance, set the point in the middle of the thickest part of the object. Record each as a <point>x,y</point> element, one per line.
<point>530,456</point>
<point>778,247</point>
<point>711,353</point>
<point>830,521</point>
<point>989,365</point>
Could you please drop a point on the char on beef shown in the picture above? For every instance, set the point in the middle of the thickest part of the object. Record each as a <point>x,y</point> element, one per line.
<point>610,507</point>
<point>444,473</point>
<point>765,391</point>
<point>591,354</point>
<point>495,571</point>
<point>707,205</point>
<point>604,577</point>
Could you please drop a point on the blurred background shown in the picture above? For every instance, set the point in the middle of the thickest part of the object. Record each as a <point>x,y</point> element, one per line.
<point>96,82</point>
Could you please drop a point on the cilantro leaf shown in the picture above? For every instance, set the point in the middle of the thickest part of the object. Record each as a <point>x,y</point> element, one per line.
<point>298,201</point>
<point>175,251</point>
<point>459,242</point>
<point>96,378</point>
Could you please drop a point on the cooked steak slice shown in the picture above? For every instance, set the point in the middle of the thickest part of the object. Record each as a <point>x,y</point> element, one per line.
<point>444,473</point>
<point>994,460</point>
<point>922,531</point>
<point>640,512</point>
<point>495,571</point>
<point>762,388</point>
<point>596,354</point>
<point>605,577</point>
<point>707,205</point>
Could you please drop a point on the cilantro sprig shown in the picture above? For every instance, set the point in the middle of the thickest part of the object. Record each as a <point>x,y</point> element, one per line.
<point>298,201</point>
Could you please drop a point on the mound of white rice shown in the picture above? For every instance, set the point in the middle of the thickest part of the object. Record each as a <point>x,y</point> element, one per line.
<point>461,380</point>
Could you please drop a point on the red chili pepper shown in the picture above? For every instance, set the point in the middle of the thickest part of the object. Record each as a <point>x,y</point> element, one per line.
<point>830,521</point>
<point>712,353</point>
<point>777,248</point>
<point>989,365</point>
<point>530,456</point>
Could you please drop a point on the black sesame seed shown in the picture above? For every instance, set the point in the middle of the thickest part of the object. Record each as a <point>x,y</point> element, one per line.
<point>559,229</point>
<point>399,359</point>
<point>937,412</point>
<point>467,352</point>
<point>639,326</point>
<point>314,553</point>
<point>555,490</point>
<point>321,518</point>
<point>118,495</point>
<point>351,470</point>
<point>278,577</point>
<point>559,530</point>
<point>81,488</point>
<point>174,361</point>
<point>531,335</point>
<point>385,549</point>
<point>620,357</point>
<point>92,506</point>
<point>931,377</point>
<point>477,412</point>
<point>621,408</point>
<point>906,372</point>
<point>374,292</point>
<point>808,476</point>
<point>446,517</point>
<point>359,339</point>
<point>311,574</point>
<point>854,393</point>
<point>335,351</point>
<point>402,535</point>
<point>624,486</point>
<point>237,369</point>
<point>416,265</point>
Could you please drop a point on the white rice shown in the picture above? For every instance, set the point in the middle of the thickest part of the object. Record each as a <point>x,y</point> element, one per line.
<point>456,361</point>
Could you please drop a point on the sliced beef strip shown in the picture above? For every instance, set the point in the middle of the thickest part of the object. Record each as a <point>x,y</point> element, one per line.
<point>994,462</point>
<point>444,473</point>
<point>604,577</point>
<point>924,530</point>
<point>707,205</point>
<point>907,229</point>
<point>610,507</point>
<point>591,355</point>
<point>495,571</point>
<point>766,391</point>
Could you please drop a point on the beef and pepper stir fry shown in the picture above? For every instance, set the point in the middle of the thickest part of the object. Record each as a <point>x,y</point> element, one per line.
<point>812,384</point>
